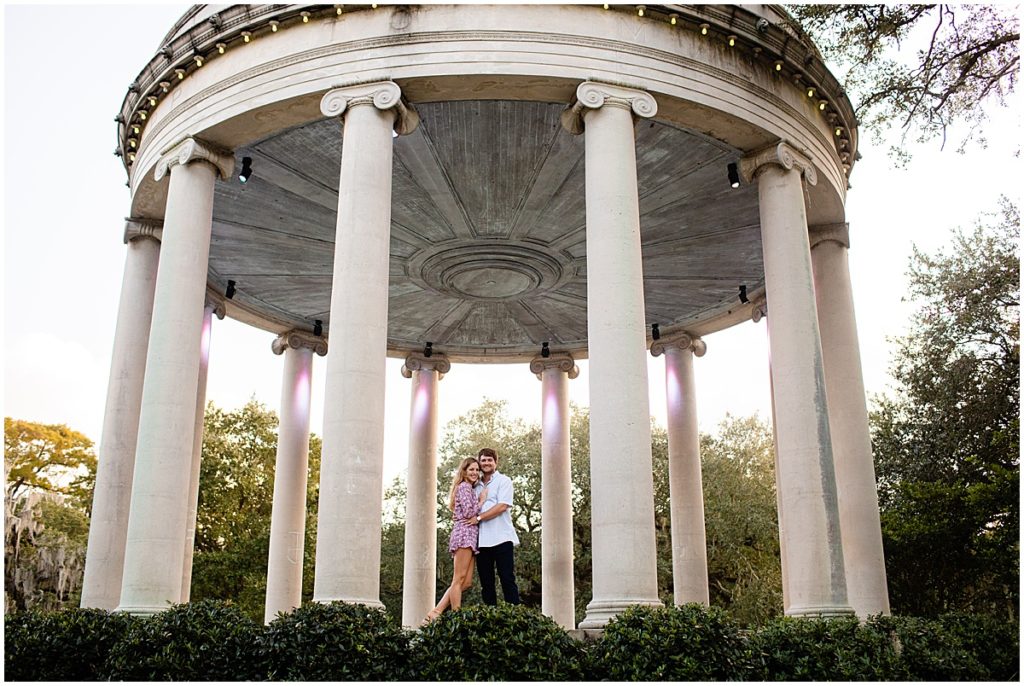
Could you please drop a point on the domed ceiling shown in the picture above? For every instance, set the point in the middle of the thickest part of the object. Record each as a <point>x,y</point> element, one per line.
<point>488,232</point>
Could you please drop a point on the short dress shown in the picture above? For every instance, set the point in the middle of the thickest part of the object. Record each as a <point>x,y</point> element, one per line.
<point>467,506</point>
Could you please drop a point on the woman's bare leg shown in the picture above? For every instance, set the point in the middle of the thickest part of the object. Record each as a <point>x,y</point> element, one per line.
<point>463,567</point>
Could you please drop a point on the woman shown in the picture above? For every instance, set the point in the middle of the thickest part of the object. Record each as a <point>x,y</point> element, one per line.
<point>465,507</point>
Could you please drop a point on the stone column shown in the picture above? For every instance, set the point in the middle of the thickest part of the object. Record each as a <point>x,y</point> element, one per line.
<point>159,506</point>
<point>848,421</point>
<point>806,475</point>
<point>421,488</point>
<point>622,487</point>
<point>212,308</point>
<point>288,516</point>
<point>686,493</point>
<point>108,526</point>
<point>348,532</point>
<point>558,599</point>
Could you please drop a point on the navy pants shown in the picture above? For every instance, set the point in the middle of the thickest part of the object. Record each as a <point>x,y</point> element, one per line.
<point>502,557</point>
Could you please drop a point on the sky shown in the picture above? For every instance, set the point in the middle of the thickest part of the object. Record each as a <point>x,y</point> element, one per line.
<point>66,69</point>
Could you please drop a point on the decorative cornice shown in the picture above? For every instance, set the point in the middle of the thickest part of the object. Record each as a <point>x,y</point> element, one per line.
<point>680,341</point>
<point>139,227</point>
<point>561,361</point>
<point>215,305</point>
<point>384,95</point>
<point>594,94</point>
<point>416,362</point>
<point>192,150</point>
<point>840,233</point>
<point>782,154</point>
<point>299,339</point>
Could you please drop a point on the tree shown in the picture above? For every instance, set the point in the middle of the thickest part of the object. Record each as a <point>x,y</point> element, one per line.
<point>49,475</point>
<point>236,493</point>
<point>968,57</point>
<point>948,445</point>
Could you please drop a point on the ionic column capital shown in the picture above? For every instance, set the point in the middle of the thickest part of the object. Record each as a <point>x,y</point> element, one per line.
<point>215,305</point>
<point>416,362</point>
<point>299,339</point>
<point>140,227</point>
<point>194,150</point>
<point>384,95</point>
<point>591,95</point>
<point>781,154</point>
<point>840,233</point>
<point>560,361</point>
<point>679,341</point>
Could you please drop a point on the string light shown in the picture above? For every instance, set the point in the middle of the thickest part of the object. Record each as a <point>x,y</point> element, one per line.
<point>839,130</point>
<point>778,65</point>
<point>135,129</point>
<point>337,9</point>
<point>131,157</point>
<point>822,104</point>
<point>199,60</point>
<point>221,47</point>
<point>305,17</point>
<point>142,115</point>
<point>810,91</point>
<point>640,10</point>
<point>704,29</point>
<point>732,41</point>
<point>246,36</point>
<point>274,24</point>
<point>180,72</point>
<point>673,19</point>
<point>132,142</point>
<point>152,101</point>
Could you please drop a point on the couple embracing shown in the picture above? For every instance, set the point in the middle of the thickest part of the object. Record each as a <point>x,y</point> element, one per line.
<point>483,535</point>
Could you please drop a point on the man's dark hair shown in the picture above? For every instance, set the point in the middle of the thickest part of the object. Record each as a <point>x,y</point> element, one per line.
<point>489,452</point>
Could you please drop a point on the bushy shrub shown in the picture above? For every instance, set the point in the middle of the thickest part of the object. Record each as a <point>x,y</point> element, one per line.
<point>204,641</point>
<point>335,642</point>
<point>837,649</point>
<point>928,652</point>
<point>676,643</point>
<point>993,643</point>
<point>67,645</point>
<point>503,643</point>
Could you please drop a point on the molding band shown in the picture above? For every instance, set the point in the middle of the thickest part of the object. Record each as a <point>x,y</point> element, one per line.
<point>140,227</point>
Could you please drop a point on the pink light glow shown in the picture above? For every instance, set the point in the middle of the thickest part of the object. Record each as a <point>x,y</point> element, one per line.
<point>204,339</point>
<point>551,412</point>
<point>300,399</point>
<point>421,402</point>
<point>673,388</point>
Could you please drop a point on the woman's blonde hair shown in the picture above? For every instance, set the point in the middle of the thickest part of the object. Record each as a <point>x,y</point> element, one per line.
<point>460,476</point>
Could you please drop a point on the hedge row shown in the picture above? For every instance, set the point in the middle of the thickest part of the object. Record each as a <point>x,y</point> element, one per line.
<point>211,641</point>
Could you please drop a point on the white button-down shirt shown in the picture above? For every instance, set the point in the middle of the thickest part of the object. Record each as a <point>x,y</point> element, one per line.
<point>497,530</point>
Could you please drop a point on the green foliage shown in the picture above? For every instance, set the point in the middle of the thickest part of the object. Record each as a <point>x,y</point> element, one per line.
<point>995,643</point>
<point>504,643</point>
<point>69,645</point>
<point>675,643</point>
<point>928,652</point>
<point>48,457</point>
<point>918,67</point>
<point>335,642</point>
<point>839,649</point>
<point>204,641</point>
<point>948,446</point>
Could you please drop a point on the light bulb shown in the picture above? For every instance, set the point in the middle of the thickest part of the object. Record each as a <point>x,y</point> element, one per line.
<point>810,92</point>
<point>142,115</point>
<point>131,157</point>
<point>152,101</point>
<point>839,130</point>
<point>164,86</point>
<point>778,65</point>
<point>246,36</point>
<point>273,25</point>
<point>135,129</point>
<point>199,60</point>
<point>673,19</point>
<point>180,72</point>
<point>640,10</point>
<point>704,29</point>
<point>221,48</point>
<point>338,9</point>
<point>305,17</point>
<point>732,41</point>
<point>132,142</point>
<point>822,104</point>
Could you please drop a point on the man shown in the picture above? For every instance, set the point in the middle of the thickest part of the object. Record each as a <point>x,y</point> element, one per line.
<point>497,535</point>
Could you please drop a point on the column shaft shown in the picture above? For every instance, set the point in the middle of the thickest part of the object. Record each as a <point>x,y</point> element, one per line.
<point>851,441</point>
<point>622,486</point>
<point>348,531</point>
<point>156,525</point>
<point>806,476</point>
<point>558,599</point>
<point>288,515</point>
<point>108,526</point>
<point>689,546</point>
<point>421,500</point>
<point>197,456</point>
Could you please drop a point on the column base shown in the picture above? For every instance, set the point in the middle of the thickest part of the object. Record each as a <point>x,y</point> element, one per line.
<point>375,604</point>
<point>143,610</point>
<point>600,612</point>
<point>822,611</point>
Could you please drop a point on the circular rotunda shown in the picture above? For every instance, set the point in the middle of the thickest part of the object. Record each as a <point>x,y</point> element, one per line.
<point>455,184</point>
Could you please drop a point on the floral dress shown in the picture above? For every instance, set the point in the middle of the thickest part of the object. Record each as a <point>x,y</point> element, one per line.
<point>467,506</point>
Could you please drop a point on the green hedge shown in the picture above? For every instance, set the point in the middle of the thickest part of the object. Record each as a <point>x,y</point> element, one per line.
<point>338,642</point>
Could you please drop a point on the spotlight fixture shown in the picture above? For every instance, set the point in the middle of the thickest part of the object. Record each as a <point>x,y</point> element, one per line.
<point>229,292</point>
<point>673,19</point>
<point>640,10</point>
<point>143,114</point>
<point>655,332</point>
<point>704,29</point>
<point>822,104</point>
<point>734,175</point>
<point>152,101</point>
<point>839,130</point>
<point>135,129</point>
<point>545,351</point>
<point>778,65</point>
<point>305,17</point>
<point>732,41</point>
<point>165,86</point>
<point>318,327</point>
<point>606,5</point>
<point>743,294</point>
<point>246,36</point>
<point>810,91</point>
<point>199,60</point>
<point>221,47</point>
<point>337,9</point>
<point>274,23</point>
<point>132,142</point>
<point>180,72</point>
<point>428,350</point>
<point>131,157</point>
<point>246,173</point>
